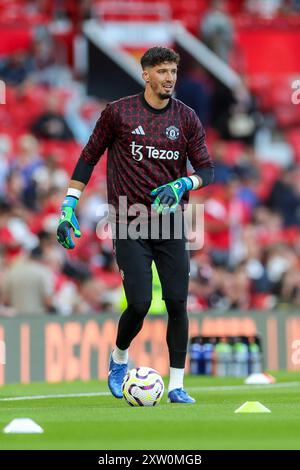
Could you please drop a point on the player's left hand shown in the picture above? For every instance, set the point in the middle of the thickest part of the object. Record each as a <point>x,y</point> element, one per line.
<point>168,196</point>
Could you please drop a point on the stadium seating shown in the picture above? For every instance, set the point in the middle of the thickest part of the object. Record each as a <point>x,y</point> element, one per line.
<point>272,90</point>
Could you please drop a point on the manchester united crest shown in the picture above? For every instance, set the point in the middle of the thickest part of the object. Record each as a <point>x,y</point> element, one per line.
<point>172,133</point>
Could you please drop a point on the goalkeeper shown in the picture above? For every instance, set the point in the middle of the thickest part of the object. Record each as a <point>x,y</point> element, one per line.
<point>149,137</point>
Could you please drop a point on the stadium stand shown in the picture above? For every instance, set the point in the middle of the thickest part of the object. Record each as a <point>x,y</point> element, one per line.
<point>251,257</point>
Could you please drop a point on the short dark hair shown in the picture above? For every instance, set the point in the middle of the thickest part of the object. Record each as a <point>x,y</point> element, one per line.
<point>158,55</point>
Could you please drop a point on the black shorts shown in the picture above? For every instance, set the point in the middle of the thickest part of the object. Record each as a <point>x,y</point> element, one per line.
<point>135,257</point>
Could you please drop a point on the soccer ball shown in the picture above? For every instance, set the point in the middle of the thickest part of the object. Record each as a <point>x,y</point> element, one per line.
<point>142,387</point>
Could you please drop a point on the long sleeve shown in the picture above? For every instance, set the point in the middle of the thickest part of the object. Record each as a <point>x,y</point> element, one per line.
<point>101,138</point>
<point>197,150</point>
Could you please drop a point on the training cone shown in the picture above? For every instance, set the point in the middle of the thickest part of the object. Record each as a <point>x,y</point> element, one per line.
<point>260,379</point>
<point>252,407</point>
<point>23,426</point>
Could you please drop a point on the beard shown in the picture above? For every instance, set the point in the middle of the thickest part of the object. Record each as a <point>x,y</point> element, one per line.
<point>164,96</point>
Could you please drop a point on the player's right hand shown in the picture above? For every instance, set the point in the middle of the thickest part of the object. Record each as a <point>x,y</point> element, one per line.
<point>68,221</point>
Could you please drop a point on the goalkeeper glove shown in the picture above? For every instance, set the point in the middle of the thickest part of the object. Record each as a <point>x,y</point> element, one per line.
<point>169,195</point>
<point>67,221</point>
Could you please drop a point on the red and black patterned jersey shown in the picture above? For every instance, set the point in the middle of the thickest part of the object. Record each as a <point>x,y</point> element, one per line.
<point>146,147</point>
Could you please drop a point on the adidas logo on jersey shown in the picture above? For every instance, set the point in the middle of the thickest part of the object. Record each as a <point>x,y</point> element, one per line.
<point>139,130</point>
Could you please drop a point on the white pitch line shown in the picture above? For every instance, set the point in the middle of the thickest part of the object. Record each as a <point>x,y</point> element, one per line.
<point>44,397</point>
<point>222,388</point>
<point>194,389</point>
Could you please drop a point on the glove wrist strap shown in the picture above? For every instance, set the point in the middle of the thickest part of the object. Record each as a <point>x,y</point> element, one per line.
<point>74,192</point>
<point>195,181</point>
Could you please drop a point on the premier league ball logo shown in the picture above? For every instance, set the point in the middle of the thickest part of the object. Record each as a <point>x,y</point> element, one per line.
<point>172,132</point>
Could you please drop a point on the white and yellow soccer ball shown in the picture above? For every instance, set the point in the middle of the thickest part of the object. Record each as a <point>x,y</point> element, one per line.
<point>142,386</point>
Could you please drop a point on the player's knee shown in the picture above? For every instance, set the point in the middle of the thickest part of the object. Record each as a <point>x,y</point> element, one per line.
<point>176,308</point>
<point>139,309</point>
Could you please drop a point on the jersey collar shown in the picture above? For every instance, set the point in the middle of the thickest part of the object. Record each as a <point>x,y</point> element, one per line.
<point>154,110</point>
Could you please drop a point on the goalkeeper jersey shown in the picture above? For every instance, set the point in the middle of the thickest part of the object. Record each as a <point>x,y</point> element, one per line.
<point>146,147</point>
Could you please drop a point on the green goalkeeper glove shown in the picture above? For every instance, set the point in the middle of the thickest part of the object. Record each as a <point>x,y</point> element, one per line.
<point>67,221</point>
<point>169,195</point>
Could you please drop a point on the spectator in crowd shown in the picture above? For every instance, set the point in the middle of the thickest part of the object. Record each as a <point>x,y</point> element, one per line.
<point>65,298</point>
<point>91,296</point>
<point>223,170</point>
<point>15,68</point>
<point>234,113</point>
<point>5,147</point>
<point>25,165</point>
<point>290,288</point>
<point>51,124</point>
<point>285,197</point>
<point>49,59</point>
<point>271,146</point>
<point>250,258</point>
<point>225,215</point>
<point>194,90</point>
<point>28,285</point>
<point>217,30</point>
<point>50,175</point>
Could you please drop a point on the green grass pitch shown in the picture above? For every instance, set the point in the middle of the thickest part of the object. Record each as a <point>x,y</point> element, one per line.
<point>102,422</point>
